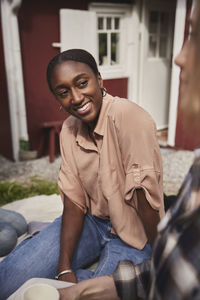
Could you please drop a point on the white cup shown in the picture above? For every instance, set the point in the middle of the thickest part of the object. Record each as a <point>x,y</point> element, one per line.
<point>41,291</point>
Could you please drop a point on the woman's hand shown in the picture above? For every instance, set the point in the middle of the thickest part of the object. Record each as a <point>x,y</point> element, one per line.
<point>69,293</point>
<point>98,288</point>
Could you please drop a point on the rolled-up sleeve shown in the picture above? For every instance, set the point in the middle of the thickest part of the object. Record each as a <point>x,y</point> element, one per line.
<point>141,156</point>
<point>146,179</point>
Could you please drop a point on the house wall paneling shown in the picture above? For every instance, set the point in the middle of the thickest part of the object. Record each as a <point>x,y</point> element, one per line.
<point>39,28</point>
<point>117,87</point>
<point>5,129</point>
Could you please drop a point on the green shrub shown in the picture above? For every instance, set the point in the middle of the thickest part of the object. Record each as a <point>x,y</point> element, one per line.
<point>24,145</point>
<point>11,191</point>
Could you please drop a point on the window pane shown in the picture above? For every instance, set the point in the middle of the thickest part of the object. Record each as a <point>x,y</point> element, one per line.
<point>152,46</point>
<point>103,56</point>
<point>114,48</point>
<point>116,23</point>
<point>164,22</point>
<point>109,23</point>
<point>100,23</point>
<point>163,46</point>
<point>153,21</point>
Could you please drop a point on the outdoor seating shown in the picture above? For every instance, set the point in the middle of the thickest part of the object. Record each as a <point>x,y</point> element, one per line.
<point>51,130</point>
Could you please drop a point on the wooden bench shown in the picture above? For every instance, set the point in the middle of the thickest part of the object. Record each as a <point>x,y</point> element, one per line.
<point>51,130</point>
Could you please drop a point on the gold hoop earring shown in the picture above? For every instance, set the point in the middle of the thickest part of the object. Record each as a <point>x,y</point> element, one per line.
<point>103,91</point>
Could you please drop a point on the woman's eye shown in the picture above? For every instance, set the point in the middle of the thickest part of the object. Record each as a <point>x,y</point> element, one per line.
<point>83,83</point>
<point>63,93</point>
<point>192,34</point>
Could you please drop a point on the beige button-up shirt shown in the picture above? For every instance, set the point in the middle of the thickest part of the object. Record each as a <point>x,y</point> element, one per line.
<point>101,177</point>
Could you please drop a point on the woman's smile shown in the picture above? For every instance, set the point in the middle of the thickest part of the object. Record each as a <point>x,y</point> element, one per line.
<point>85,108</point>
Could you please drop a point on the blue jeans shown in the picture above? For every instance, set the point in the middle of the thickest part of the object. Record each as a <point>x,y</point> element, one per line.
<point>38,256</point>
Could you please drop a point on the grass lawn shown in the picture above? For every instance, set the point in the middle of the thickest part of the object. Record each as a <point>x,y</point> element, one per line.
<point>11,191</point>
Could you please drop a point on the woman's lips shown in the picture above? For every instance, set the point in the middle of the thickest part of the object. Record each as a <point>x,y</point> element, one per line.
<point>84,109</point>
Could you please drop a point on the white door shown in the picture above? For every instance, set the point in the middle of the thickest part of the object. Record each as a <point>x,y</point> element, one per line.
<point>156,58</point>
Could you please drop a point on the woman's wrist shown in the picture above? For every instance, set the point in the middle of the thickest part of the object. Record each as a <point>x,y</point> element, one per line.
<point>67,271</point>
<point>64,263</point>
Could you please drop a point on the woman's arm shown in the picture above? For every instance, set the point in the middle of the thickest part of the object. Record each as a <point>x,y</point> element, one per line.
<point>142,163</point>
<point>72,223</point>
<point>99,288</point>
<point>149,216</point>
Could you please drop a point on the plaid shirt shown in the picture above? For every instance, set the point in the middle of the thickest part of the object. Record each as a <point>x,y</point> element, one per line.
<point>174,271</point>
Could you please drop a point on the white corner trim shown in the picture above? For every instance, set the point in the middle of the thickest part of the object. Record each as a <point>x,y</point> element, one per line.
<point>14,73</point>
<point>175,82</point>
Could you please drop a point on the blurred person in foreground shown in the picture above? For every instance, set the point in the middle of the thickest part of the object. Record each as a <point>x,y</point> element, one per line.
<point>174,270</point>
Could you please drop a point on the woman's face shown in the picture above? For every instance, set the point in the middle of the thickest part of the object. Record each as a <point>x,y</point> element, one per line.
<point>78,90</point>
<point>187,57</point>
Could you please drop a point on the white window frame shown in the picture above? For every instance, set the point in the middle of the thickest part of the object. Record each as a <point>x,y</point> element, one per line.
<point>108,32</point>
<point>114,10</point>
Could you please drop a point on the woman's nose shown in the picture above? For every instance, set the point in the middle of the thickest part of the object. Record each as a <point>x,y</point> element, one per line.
<point>77,96</point>
<point>180,59</point>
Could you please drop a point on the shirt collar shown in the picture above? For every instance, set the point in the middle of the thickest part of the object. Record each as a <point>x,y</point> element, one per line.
<point>83,138</point>
<point>100,126</point>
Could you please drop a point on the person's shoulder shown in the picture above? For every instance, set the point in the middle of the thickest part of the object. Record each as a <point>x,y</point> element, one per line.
<point>70,126</point>
<point>70,122</point>
<point>124,109</point>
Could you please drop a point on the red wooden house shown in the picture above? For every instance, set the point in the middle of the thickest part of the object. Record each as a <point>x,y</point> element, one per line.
<point>133,41</point>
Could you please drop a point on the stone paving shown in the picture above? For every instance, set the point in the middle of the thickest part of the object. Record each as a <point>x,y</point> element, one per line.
<point>23,171</point>
<point>175,166</point>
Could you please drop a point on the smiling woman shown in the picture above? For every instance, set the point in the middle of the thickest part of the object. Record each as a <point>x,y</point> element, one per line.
<point>78,90</point>
<point>110,181</point>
